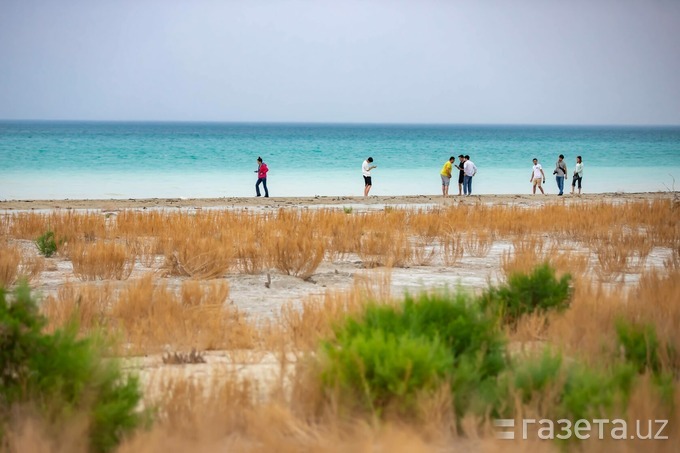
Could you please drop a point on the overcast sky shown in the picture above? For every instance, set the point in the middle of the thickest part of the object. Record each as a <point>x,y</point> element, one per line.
<point>418,61</point>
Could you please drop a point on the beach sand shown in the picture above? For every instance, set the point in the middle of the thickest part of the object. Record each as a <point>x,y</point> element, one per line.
<point>321,201</point>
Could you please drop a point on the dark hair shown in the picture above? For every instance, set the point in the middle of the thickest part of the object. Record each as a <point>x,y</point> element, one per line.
<point>579,158</point>
<point>370,159</point>
<point>460,155</point>
<point>534,158</point>
<point>452,158</point>
<point>467,156</point>
<point>561,156</point>
<point>259,159</point>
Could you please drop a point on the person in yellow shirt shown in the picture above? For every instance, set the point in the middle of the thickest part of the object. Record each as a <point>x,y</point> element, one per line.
<point>446,176</point>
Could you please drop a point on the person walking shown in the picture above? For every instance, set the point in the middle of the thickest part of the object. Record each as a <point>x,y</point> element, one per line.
<point>366,168</point>
<point>461,173</point>
<point>561,173</point>
<point>261,171</point>
<point>446,176</point>
<point>578,176</point>
<point>537,176</point>
<point>470,170</point>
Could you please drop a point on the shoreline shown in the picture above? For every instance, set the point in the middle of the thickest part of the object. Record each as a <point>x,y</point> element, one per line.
<point>323,201</point>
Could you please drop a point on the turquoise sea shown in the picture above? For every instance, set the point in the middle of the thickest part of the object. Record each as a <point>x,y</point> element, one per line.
<point>56,160</point>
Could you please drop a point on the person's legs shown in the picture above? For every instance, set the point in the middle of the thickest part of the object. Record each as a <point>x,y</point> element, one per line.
<point>533,188</point>
<point>264,184</point>
<point>257,186</point>
<point>467,185</point>
<point>579,184</point>
<point>573,184</point>
<point>460,189</point>
<point>560,184</point>
<point>445,186</point>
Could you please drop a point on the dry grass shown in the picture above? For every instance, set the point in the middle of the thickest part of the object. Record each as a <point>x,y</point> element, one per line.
<point>87,304</point>
<point>102,260</point>
<point>10,257</point>
<point>600,244</point>
<point>153,317</point>
<point>15,265</point>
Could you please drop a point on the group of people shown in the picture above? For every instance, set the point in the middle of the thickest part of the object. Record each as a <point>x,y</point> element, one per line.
<point>538,176</point>
<point>466,171</point>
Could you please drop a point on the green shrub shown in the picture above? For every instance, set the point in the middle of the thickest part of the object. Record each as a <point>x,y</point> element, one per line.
<point>46,244</point>
<point>524,294</point>
<point>593,392</point>
<point>428,339</point>
<point>639,344</point>
<point>381,369</point>
<point>532,376</point>
<point>61,375</point>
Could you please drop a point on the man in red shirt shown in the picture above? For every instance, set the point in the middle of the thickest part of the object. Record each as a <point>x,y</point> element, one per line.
<point>262,170</point>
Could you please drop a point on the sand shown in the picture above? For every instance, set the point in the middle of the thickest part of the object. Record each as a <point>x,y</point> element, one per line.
<point>282,202</point>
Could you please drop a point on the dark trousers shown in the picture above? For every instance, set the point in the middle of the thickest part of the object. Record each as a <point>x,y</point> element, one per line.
<point>264,184</point>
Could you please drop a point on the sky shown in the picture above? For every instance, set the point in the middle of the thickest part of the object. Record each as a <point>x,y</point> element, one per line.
<point>345,61</point>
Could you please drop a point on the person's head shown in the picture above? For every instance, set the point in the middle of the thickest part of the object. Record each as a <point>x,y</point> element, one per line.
<point>370,159</point>
<point>535,161</point>
<point>561,156</point>
<point>467,157</point>
<point>259,160</point>
<point>578,159</point>
<point>461,157</point>
<point>451,159</point>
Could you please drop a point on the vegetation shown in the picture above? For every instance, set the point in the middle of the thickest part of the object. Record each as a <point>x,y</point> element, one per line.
<point>62,376</point>
<point>46,244</point>
<point>539,291</point>
<point>590,333</point>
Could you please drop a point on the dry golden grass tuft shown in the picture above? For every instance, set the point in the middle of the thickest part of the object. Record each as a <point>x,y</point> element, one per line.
<point>102,260</point>
<point>15,265</point>
<point>152,317</point>
<point>199,257</point>
<point>10,258</point>
<point>478,243</point>
<point>87,304</point>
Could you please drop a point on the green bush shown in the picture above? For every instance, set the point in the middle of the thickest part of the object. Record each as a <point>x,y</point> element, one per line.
<point>593,392</point>
<point>381,369</point>
<point>46,244</point>
<point>428,340</point>
<point>639,344</point>
<point>532,376</point>
<point>61,375</point>
<point>524,294</point>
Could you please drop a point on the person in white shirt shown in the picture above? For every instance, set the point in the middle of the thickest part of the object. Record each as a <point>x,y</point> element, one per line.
<point>537,176</point>
<point>578,175</point>
<point>470,169</point>
<point>366,168</point>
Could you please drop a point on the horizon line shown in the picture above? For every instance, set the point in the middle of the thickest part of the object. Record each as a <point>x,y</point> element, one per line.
<point>335,123</point>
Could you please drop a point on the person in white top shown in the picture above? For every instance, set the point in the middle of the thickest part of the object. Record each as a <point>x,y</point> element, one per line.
<point>470,169</point>
<point>537,176</point>
<point>578,175</point>
<point>366,168</point>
